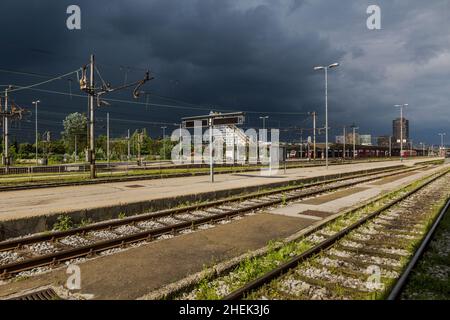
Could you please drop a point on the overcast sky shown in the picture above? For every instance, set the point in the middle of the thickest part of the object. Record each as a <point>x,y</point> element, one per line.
<point>252,55</point>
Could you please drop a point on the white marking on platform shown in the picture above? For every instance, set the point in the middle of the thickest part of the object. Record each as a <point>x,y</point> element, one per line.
<point>306,216</point>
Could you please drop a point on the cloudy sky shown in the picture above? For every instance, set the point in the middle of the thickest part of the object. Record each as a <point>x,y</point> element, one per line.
<point>245,55</point>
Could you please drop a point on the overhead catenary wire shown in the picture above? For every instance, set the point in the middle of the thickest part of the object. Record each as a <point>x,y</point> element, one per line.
<point>20,88</point>
<point>204,108</point>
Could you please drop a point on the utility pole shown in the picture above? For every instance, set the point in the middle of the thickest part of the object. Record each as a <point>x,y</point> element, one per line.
<point>343,154</point>
<point>354,141</point>
<point>164,142</point>
<point>91,151</point>
<point>211,160</point>
<point>314,114</point>
<point>390,146</point>
<point>410,147</point>
<point>139,147</point>
<point>442,142</point>
<point>14,112</point>
<point>76,151</point>
<point>107,137</point>
<point>129,148</point>
<point>6,137</point>
<point>301,143</point>
<point>442,139</point>
<point>181,147</point>
<point>95,93</point>
<point>36,126</point>
<point>334,65</point>
<point>264,121</point>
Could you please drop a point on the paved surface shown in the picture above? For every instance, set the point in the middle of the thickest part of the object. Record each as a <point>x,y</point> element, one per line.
<point>26,203</point>
<point>135,272</point>
<point>340,200</point>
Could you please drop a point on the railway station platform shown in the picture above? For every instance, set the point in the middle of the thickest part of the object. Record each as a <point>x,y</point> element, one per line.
<point>135,272</point>
<point>39,208</point>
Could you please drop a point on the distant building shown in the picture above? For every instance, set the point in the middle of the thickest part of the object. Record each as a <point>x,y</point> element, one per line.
<point>365,139</point>
<point>397,126</point>
<point>340,139</point>
<point>383,141</point>
<point>349,138</point>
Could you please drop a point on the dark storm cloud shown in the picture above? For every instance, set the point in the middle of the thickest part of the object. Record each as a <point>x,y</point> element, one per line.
<point>254,55</point>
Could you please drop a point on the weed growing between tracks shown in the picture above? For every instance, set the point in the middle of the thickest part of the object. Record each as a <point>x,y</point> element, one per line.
<point>63,223</point>
<point>252,268</point>
<point>328,275</point>
<point>430,278</point>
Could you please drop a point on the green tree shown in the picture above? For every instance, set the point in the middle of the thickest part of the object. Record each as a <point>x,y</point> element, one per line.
<point>75,126</point>
<point>26,150</point>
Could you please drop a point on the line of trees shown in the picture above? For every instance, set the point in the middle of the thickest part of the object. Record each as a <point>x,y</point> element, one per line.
<point>74,137</point>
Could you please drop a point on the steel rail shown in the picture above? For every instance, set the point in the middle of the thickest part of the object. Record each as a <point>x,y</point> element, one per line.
<point>17,243</point>
<point>401,282</point>
<point>292,263</point>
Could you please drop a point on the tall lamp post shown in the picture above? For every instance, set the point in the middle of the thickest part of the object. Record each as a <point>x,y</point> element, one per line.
<point>354,141</point>
<point>325,68</point>
<point>423,149</point>
<point>401,106</point>
<point>264,120</point>
<point>442,140</point>
<point>36,130</point>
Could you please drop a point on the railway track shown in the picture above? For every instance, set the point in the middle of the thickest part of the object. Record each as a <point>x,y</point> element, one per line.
<point>49,250</point>
<point>401,289</point>
<point>371,258</point>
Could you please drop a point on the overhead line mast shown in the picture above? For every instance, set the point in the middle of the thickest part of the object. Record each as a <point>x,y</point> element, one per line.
<point>95,96</point>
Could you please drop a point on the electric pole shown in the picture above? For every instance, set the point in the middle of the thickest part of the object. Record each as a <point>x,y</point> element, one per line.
<point>6,135</point>
<point>15,113</point>
<point>343,155</point>
<point>95,94</point>
<point>139,147</point>
<point>354,141</point>
<point>129,148</point>
<point>36,127</point>
<point>91,152</point>
<point>76,151</point>
<point>390,146</point>
<point>314,114</point>
<point>164,142</point>
<point>107,137</point>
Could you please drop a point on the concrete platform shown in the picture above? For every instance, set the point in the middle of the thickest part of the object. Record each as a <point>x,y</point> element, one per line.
<point>338,201</point>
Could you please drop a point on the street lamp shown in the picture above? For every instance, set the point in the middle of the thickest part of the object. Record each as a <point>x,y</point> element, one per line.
<point>401,106</point>
<point>35,113</point>
<point>354,141</point>
<point>423,149</point>
<point>334,65</point>
<point>264,121</point>
<point>442,139</point>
